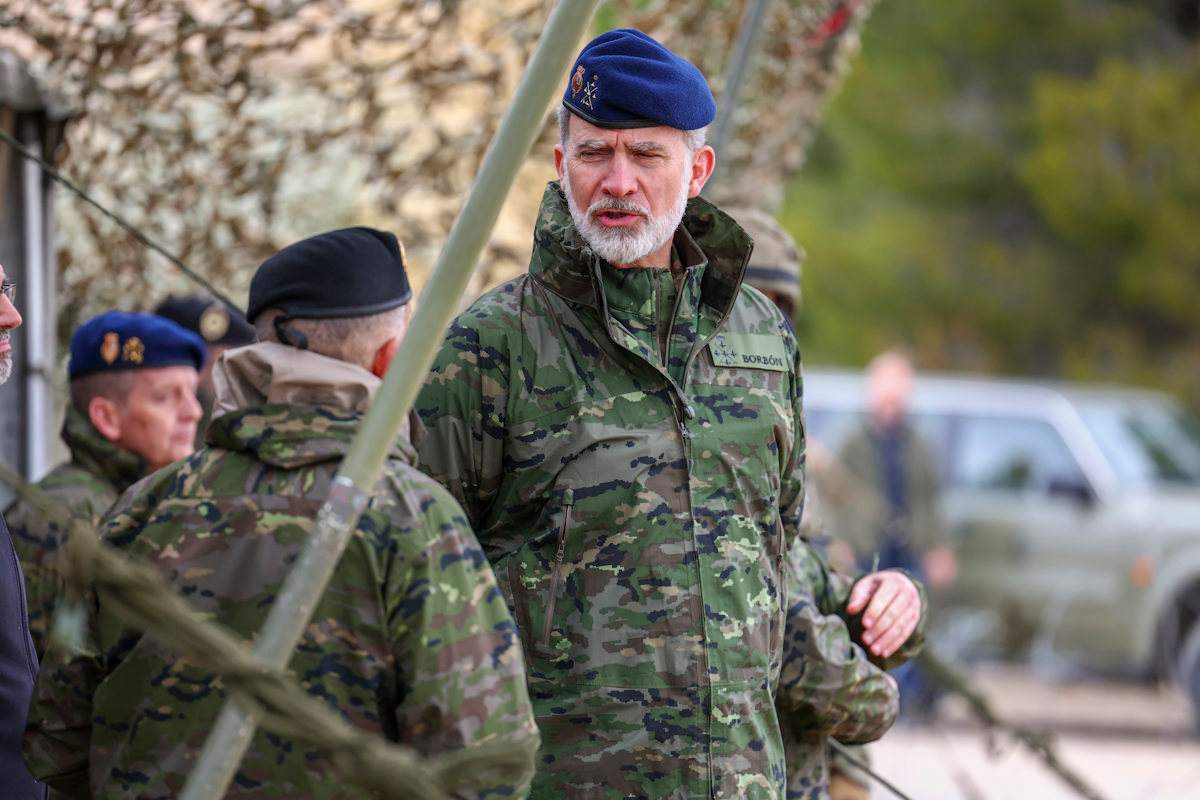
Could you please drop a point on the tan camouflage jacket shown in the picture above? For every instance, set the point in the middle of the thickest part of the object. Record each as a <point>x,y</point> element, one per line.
<point>411,639</point>
<point>631,455</point>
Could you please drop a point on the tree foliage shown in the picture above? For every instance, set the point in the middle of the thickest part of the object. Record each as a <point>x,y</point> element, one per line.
<point>1011,187</point>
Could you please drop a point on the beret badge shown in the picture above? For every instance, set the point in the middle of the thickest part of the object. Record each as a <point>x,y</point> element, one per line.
<point>214,323</point>
<point>110,348</point>
<point>577,80</point>
<point>134,351</point>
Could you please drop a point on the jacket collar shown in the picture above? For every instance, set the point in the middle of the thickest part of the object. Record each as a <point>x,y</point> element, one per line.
<point>566,265</point>
<point>292,407</point>
<point>91,451</point>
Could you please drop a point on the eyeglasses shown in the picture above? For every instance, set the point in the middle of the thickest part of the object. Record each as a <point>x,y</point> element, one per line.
<point>9,290</point>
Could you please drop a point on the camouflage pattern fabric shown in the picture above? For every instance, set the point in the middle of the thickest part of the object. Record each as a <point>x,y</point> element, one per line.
<point>863,705</point>
<point>85,487</point>
<point>411,639</point>
<point>630,453</point>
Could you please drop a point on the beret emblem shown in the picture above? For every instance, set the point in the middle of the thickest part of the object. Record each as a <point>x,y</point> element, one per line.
<point>134,351</point>
<point>577,81</point>
<point>589,92</point>
<point>214,322</point>
<point>110,348</point>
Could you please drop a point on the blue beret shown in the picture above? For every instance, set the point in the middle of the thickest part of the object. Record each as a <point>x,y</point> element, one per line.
<point>352,272</point>
<point>118,340</point>
<point>625,79</point>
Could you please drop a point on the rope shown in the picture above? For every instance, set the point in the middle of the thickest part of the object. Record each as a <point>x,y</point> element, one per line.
<point>140,596</point>
<point>1039,742</point>
<point>848,754</point>
<point>121,221</point>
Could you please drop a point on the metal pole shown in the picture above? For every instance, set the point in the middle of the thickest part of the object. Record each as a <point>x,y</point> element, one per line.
<point>38,314</point>
<point>739,64</point>
<point>545,74</point>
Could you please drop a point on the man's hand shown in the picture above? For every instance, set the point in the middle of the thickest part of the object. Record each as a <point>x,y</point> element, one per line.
<point>893,609</point>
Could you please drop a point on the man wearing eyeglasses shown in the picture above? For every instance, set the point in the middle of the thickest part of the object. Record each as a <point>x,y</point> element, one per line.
<point>18,663</point>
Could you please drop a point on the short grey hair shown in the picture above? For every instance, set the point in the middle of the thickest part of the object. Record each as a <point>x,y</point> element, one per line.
<point>693,139</point>
<point>352,339</point>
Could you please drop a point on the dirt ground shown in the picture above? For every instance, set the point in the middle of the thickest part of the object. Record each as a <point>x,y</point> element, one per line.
<point>1130,742</point>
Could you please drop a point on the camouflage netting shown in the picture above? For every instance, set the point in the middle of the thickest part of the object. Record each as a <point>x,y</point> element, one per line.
<point>227,128</point>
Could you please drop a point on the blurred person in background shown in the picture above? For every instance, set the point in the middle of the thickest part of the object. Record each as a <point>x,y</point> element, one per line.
<point>18,661</point>
<point>221,328</point>
<point>132,410</point>
<point>774,269</point>
<point>894,521</point>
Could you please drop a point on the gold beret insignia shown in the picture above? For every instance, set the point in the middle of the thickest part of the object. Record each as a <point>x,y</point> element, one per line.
<point>134,351</point>
<point>214,322</point>
<point>110,348</point>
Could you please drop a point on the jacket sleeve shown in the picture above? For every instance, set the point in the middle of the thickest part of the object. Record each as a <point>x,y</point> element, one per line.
<point>58,727</point>
<point>792,477</point>
<point>463,406</point>
<point>827,685</point>
<point>461,673</point>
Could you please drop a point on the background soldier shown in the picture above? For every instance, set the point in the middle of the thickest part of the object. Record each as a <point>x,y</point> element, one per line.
<point>774,269</point>
<point>623,426</point>
<point>220,327</point>
<point>410,639</point>
<point>132,410</point>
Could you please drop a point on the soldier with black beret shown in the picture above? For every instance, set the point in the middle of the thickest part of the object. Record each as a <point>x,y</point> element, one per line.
<point>132,410</point>
<point>221,328</point>
<point>411,639</point>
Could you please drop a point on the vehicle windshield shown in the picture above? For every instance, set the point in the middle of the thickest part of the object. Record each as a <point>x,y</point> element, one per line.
<point>1146,443</point>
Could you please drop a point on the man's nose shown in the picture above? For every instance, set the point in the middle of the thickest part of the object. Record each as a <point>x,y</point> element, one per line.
<point>9,316</point>
<point>620,180</point>
<point>191,407</point>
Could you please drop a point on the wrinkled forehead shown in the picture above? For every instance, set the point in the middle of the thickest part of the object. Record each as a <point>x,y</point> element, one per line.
<point>584,134</point>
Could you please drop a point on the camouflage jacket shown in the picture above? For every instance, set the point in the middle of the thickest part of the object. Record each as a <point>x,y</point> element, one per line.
<point>85,487</point>
<point>636,489</point>
<point>411,638</point>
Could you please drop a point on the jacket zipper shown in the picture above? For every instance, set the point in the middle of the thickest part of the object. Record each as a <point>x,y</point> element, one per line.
<point>568,503</point>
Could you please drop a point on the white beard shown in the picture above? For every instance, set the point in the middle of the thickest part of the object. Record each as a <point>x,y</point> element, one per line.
<point>625,245</point>
<point>6,362</point>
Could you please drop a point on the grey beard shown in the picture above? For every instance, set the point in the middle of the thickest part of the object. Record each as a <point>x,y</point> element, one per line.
<point>6,366</point>
<point>619,246</point>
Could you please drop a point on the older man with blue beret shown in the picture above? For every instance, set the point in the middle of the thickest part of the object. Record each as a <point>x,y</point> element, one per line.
<point>132,410</point>
<point>623,426</point>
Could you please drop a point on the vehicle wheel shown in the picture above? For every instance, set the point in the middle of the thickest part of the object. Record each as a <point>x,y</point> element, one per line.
<point>1189,671</point>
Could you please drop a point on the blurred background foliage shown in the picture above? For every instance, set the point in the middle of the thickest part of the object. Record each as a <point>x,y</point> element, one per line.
<point>1011,187</point>
<point>1007,187</point>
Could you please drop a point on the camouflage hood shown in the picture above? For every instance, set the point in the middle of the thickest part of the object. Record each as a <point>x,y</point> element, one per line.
<point>291,407</point>
<point>97,455</point>
<point>566,264</point>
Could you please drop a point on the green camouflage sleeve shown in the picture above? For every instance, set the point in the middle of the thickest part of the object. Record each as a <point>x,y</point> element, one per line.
<point>463,405</point>
<point>791,490</point>
<point>456,648</point>
<point>827,685</point>
<point>58,727</point>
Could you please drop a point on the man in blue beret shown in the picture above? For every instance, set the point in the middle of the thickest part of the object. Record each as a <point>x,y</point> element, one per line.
<point>132,410</point>
<point>623,426</point>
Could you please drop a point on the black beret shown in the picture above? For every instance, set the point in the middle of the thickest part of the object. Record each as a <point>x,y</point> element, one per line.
<point>626,79</point>
<point>119,340</point>
<point>352,272</point>
<point>213,320</point>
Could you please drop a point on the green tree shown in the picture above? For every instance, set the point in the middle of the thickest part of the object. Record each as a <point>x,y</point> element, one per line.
<point>1008,187</point>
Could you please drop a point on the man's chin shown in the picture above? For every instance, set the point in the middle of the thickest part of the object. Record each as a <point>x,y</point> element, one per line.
<point>6,366</point>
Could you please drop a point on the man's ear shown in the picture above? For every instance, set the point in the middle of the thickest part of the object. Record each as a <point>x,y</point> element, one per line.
<point>559,156</point>
<point>384,356</point>
<point>704,161</point>
<point>105,417</point>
